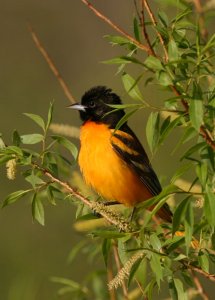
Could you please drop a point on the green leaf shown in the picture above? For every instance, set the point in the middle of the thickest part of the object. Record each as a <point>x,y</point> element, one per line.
<point>109,234</point>
<point>156,267</point>
<point>30,139</point>
<point>180,289</point>
<point>163,78</point>
<point>194,149</point>
<point>125,118</point>
<point>179,214</point>
<point>13,197</point>
<point>203,261</point>
<point>136,29</point>
<point>153,63</point>
<point>163,18</point>
<point>67,144</point>
<point>51,191</point>
<point>2,144</point>
<point>117,40</point>
<point>173,51</point>
<point>14,150</point>
<point>16,138</point>
<point>106,246</point>
<point>134,269</point>
<point>202,173</point>
<point>188,224</point>
<point>196,109</point>
<point>209,206</point>
<point>152,130</point>
<point>37,119</point>
<point>172,289</point>
<point>38,210</point>
<point>50,115</point>
<point>130,85</point>
<point>196,113</point>
<point>34,179</point>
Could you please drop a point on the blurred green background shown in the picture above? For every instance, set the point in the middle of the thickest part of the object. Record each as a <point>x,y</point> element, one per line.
<point>29,253</point>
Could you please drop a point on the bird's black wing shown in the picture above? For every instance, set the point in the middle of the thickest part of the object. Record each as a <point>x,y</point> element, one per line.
<point>127,146</point>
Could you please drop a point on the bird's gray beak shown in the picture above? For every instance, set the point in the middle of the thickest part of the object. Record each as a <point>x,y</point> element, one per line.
<point>77,106</point>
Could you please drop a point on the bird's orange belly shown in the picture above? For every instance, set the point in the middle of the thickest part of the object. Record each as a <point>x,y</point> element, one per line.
<point>105,171</point>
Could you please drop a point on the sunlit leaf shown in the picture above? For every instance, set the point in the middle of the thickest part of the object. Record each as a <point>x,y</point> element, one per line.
<point>38,210</point>
<point>30,139</point>
<point>13,197</point>
<point>37,119</point>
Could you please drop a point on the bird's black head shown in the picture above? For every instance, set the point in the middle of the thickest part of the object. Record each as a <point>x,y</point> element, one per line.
<point>95,106</point>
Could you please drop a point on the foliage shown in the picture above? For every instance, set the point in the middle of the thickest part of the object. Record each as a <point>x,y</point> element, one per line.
<point>180,59</point>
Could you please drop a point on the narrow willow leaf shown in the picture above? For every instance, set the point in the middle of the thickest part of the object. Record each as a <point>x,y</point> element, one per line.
<point>134,269</point>
<point>163,18</point>
<point>156,267</point>
<point>37,119</point>
<point>38,210</point>
<point>30,139</point>
<point>196,113</point>
<point>67,144</point>
<point>173,51</point>
<point>179,214</point>
<point>152,130</point>
<point>203,261</point>
<point>109,234</point>
<point>202,173</point>
<point>209,206</point>
<point>136,29</point>
<point>13,197</point>
<point>180,289</point>
<point>16,138</point>
<point>34,179</point>
<point>153,63</point>
<point>117,40</point>
<point>196,109</point>
<point>50,115</point>
<point>125,118</point>
<point>163,78</point>
<point>172,289</point>
<point>130,85</point>
<point>193,150</point>
<point>106,246</point>
<point>188,224</point>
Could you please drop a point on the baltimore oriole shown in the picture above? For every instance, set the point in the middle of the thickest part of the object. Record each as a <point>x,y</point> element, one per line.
<point>113,161</point>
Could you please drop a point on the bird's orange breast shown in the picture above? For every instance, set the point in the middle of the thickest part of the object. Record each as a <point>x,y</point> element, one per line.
<point>104,170</point>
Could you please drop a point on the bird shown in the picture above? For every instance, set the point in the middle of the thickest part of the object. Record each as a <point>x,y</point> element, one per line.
<point>113,161</point>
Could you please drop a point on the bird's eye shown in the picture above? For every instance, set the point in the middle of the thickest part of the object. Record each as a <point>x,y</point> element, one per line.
<point>92,104</point>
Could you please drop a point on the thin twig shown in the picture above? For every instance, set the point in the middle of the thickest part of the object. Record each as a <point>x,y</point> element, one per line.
<point>51,64</point>
<point>200,11</point>
<point>151,15</point>
<point>111,216</point>
<point>118,265</point>
<point>145,34</point>
<point>198,270</point>
<point>199,286</point>
<point>116,27</point>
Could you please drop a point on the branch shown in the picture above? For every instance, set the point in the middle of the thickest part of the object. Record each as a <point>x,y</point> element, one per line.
<point>152,17</point>
<point>198,270</point>
<point>145,34</point>
<point>51,64</point>
<point>114,26</point>
<point>111,216</point>
<point>199,286</point>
